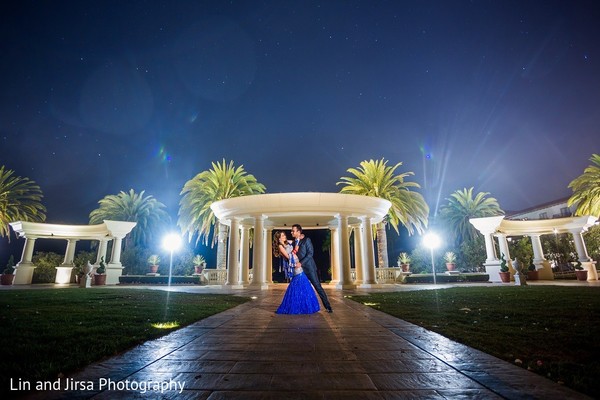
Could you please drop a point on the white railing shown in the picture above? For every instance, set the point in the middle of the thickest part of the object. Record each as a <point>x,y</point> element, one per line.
<point>387,275</point>
<point>383,275</point>
<point>215,276</point>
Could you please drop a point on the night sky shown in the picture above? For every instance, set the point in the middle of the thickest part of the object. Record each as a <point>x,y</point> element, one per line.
<point>103,96</point>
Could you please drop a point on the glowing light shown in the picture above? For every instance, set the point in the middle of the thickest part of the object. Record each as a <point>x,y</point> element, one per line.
<point>165,325</point>
<point>371,304</point>
<point>172,242</point>
<point>431,240</point>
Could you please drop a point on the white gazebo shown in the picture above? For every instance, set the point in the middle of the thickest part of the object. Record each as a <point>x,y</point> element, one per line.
<point>502,229</point>
<point>103,233</point>
<point>340,213</point>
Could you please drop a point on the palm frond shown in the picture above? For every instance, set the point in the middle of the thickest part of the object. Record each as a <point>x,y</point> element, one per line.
<point>462,206</point>
<point>586,190</point>
<point>20,200</point>
<point>223,181</point>
<point>149,213</point>
<point>376,179</point>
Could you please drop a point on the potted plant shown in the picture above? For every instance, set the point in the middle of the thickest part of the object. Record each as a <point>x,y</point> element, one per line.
<point>8,275</point>
<point>404,261</point>
<point>532,273</point>
<point>199,264</point>
<point>450,259</point>
<point>100,275</point>
<point>153,262</point>
<point>580,273</point>
<point>504,274</point>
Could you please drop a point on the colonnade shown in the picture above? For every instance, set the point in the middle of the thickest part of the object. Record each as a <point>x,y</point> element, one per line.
<point>238,265</point>
<point>108,231</point>
<point>497,228</point>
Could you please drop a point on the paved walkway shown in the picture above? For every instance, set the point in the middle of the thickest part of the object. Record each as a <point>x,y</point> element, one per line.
<point>249,352</point>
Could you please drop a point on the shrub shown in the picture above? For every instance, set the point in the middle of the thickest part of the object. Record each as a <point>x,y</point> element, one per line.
<point>10,266</point>
<point>46,263</point>
<point>183,263</point>
<point>134,260</point>
<point>445,278</point>
<point>472,255</point>
<point>421,260</point>
<point>158,280</point>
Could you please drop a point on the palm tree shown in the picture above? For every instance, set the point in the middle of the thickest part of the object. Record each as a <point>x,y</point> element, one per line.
<point>223,181</point>
<point>461,207</point>
<point>20,200</point>
<point>376,179</point>
<point>149,213</point>
<point>586,190</point>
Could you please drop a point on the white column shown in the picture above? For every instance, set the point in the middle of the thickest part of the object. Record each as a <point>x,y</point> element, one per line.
<point>358,259</point>
<point>70,252</point>
<point>114,269</point>
<point>345,282</point>
<point>232,255</point>
<point>503,244</point>
<point>541,264</point>
<point>269,255</point>
<point>335,255</point>
<point>258,259</point>
<point>368,253</point>
<point>579,245</point>
<point>24,269</point>
<point>490,250</point>
<point>115,257</point>
<point>586,262</point>
<point>101,251</point>
<point>63,271</point>
<point>538,251</point>
<point>245,256</point>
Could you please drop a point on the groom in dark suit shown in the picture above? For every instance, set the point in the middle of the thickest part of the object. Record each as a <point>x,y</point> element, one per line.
<point>305,253</point>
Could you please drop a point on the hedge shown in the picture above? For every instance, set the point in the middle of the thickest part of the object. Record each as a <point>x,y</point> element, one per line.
<point>158,280</point>
<point>446,278</point>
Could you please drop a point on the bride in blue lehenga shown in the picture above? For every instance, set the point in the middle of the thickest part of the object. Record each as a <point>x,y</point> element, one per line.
<point>300,296</point>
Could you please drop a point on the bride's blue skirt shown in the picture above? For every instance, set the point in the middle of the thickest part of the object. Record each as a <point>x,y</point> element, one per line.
<point>299,298</point>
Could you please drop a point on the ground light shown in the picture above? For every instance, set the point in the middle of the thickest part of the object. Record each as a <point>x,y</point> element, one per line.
<point>432,241</point>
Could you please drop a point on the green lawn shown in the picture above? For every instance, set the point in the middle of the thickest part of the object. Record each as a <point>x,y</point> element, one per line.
<point>47,332</point>
<point>553,330</point>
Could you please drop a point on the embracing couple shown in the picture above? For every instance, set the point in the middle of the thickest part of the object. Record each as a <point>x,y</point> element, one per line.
<point>297,259</point>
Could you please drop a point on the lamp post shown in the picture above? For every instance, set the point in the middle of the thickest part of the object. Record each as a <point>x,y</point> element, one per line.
<point>171,242</point>
<point>432,241</point>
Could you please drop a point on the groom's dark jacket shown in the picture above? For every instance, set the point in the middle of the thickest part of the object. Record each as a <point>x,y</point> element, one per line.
<point>305,254</point>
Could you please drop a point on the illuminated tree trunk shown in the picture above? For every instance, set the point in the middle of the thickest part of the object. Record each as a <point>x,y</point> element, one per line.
<point>222,246</point>
<point>382,254</point>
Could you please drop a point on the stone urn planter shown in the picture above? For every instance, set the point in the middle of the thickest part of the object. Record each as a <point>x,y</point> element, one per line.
<point>8,276</point>
<point>404,262</point>
<point>450,259</point>
<point>581,274</point>
<point>532,275</point>
<point>7,279</point>
<point>153,262</point>
<point>199,264</point>
<point>99,279</point>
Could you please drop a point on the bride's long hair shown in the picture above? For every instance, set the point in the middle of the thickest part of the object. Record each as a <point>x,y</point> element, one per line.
<point>276,243</point>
